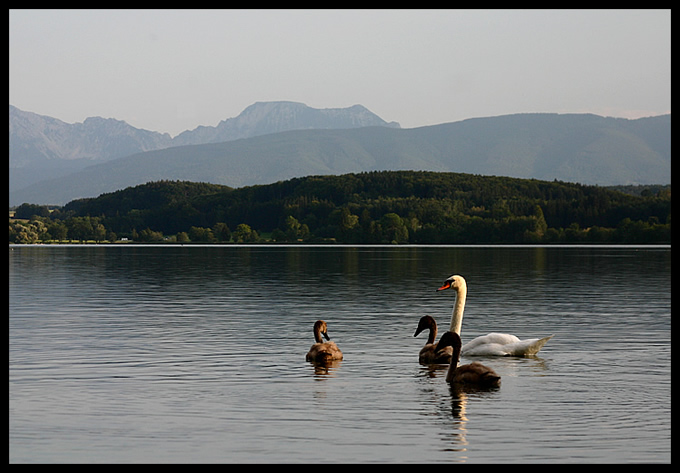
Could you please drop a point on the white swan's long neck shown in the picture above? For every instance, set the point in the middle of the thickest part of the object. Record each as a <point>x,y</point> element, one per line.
<point>458,307</point>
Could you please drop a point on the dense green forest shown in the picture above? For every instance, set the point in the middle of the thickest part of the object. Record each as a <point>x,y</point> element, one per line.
<point>370,207</point>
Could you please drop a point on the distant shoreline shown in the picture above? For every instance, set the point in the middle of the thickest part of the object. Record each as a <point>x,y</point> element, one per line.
<point>346,245</point>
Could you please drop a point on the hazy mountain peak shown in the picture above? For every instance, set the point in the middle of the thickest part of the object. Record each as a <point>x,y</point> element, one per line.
<point>263,118</point>
<point>45,147</point>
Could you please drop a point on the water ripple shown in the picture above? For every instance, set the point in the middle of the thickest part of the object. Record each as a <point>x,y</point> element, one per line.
<point>196,354</point>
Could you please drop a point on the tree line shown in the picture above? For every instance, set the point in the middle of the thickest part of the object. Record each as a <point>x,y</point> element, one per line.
<point>372,207</point>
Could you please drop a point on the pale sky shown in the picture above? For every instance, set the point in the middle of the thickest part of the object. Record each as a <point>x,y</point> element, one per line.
<point>173,70</point>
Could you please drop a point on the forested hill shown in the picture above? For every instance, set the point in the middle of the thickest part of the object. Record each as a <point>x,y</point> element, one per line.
<point>580,148</point>
<point>379,207</point>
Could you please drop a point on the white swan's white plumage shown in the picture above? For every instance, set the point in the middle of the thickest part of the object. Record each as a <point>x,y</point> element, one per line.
<point>503,344</point>
<point>493,344</point>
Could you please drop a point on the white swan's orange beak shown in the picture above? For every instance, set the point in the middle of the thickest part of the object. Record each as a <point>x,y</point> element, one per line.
<point>446,285</point>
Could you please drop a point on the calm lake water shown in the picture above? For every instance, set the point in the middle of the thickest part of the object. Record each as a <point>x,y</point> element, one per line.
<point>197,354</point>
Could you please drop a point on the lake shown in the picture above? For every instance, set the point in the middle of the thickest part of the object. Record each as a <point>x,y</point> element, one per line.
<point>196,354</point>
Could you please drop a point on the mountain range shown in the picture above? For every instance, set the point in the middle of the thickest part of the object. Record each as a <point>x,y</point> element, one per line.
<point>43,147</point>
<point>272,141</point>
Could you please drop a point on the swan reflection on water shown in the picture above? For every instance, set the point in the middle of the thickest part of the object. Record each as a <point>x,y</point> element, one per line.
<point>453,409</point>
<point>325,369</point>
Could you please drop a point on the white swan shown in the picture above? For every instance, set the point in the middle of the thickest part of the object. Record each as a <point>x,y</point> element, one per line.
<point>493,344</point>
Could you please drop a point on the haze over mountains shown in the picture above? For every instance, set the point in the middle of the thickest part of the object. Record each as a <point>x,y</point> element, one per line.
<point>52,162</point>
<point>44,147</point>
